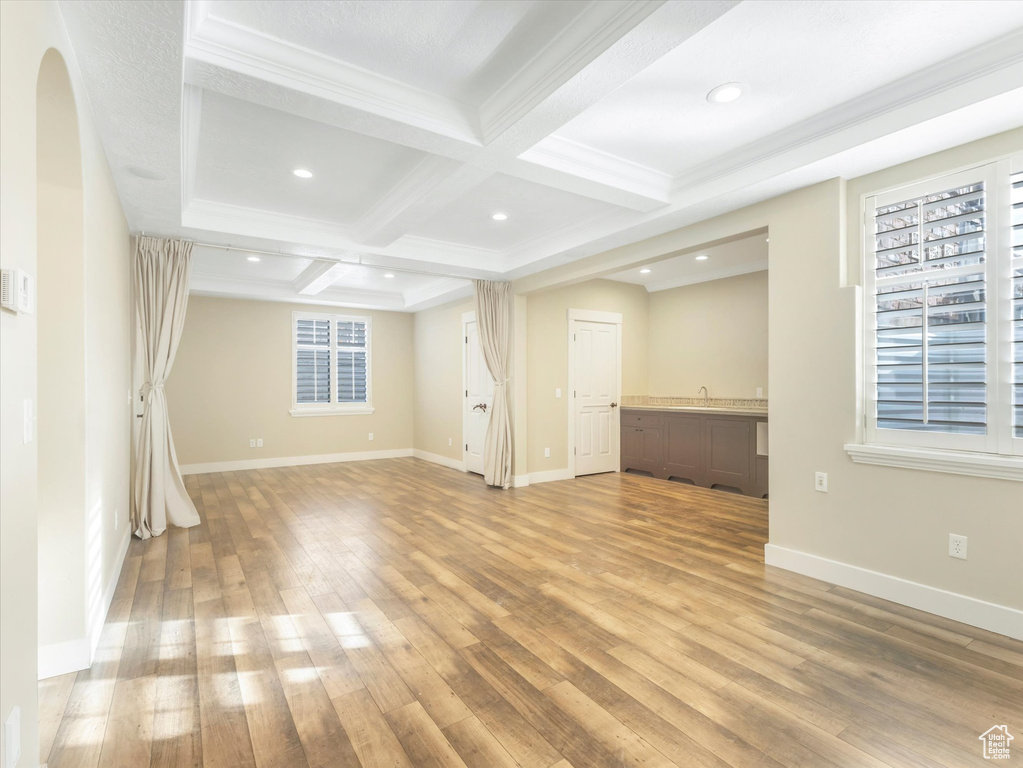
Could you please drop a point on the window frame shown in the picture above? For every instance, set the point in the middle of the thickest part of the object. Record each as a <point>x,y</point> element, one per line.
<point>962,454</point>
<point>334,408</point>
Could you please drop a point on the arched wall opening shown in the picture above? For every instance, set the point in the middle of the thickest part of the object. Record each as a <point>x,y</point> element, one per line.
<point>61,394</point>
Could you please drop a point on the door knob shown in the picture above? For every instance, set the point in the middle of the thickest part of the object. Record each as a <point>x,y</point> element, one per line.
<point>481,406</point>
<point>614,405</point>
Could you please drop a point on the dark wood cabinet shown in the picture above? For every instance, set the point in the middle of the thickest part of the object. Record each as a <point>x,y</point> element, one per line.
<point>709,450</point>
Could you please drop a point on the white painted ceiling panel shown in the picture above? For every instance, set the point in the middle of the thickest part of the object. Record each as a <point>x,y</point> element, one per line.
<point>737,257</point>
<point>533,211</point>
<point>798,58</point>
<point>247,153</point>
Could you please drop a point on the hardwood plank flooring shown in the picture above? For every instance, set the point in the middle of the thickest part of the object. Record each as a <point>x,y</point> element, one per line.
<point>396,613</point>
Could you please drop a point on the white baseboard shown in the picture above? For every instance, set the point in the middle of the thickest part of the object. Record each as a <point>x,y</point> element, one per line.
<point>520,481</point>
<point>74,655</point>
<point>436,458</point>
<point>952,605</point>
<point>293,461</point>
<point>550,475</point>
<point>61,658</point>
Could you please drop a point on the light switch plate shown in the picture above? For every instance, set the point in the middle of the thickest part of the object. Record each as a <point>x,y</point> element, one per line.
<point>259,442</point>
<point>546,453</point>
<point>820,482</point>
<point>370,435</point>
<point>557,392</point>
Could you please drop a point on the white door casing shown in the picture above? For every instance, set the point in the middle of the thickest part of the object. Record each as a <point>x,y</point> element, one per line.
<point>595,384</point>
<point>479,396</point>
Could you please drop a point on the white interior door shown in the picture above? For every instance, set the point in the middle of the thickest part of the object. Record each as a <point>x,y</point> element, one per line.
<point>479,399</point>
<point>596,383</point>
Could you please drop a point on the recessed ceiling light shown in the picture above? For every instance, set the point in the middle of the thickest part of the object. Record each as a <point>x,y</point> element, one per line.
<point>252,258</point>
<point>499,216</point>
<point>702,257</point>
<point>389,275</point>
<point>644,271</point>
<point>726,93</point>
<point>302,173</point>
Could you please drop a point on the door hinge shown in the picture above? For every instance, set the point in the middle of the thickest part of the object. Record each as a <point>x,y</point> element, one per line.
<point>573,337</point>
<point>466,446</point>
<point>575,451</point>
<point>466,339</point>
<point>466,393</point>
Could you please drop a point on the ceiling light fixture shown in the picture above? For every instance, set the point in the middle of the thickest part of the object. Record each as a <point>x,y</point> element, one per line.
<point>252,258</point>
<point>302,173</point>
<point>726,93</point>
<point>702,257</point>
<point>644,271</point>
<point>389,275</point>
<point>499,216</point>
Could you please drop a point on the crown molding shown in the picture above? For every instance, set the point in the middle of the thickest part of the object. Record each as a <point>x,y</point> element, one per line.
<point>653,187</point>
<point>191,122</point>
<point>415,185</point>
<point>437,292</point>
<point>600,25</point>
<point>225,45</point>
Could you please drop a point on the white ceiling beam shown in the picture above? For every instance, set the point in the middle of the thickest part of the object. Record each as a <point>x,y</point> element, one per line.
<point>631,38</point>
<point>274,290</point>
<point>319,276</point>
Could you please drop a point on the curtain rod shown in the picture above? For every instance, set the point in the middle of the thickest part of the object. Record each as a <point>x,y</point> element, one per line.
<point>338,260</point>
<point>358,263</point>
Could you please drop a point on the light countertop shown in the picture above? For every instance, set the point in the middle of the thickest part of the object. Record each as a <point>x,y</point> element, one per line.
<point>712,409</point>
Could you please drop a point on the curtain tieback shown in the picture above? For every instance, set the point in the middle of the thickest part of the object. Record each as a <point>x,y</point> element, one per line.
<point>147,390</point>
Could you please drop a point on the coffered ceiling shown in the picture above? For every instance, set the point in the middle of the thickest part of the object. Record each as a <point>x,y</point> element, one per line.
<point>586,123</point>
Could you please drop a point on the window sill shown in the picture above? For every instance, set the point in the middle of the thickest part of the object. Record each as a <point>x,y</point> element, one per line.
<point>359,410</point>
<point>933,460</point>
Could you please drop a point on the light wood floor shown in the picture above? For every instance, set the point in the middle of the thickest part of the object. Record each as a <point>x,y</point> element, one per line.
<point>395,613</point>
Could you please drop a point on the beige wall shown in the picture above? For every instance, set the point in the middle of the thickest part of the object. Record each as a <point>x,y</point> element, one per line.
<point>547,358</point>
<point>894,521</point>
<point>710,334</point>
<point>231,382</point>
<point>27,30</point>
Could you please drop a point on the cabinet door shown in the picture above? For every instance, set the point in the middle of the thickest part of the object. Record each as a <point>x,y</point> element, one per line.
<point>652,446</point>
<point>683,448</point>
<point>728,453</point>
<point>632,446</point>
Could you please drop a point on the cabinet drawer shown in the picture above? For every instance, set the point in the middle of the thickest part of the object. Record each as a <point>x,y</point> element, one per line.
<point>633,419</point>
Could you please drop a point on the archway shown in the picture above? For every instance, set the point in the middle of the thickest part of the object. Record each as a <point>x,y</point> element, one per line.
<point>61,394</point>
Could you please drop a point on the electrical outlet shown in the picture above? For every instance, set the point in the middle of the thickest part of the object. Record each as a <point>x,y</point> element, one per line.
<point>557,392</point>
<point>820,482</point>
<point>546,453</point>
<point>12,737</point>
<point>957,546</point>
<point>370,435</point>
<point>449,442</point>
<point>252,443</point>
<point>760,391</point>
<point>259,442</point>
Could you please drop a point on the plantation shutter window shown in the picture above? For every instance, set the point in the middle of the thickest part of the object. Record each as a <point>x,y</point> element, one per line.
<point>312,343</point>
<point>943,280</point>
<point>1016,303</point>
<point>351,362</point>
<point>332,364</point>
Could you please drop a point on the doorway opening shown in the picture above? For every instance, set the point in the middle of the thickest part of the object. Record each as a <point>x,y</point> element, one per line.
<point>63,542</point>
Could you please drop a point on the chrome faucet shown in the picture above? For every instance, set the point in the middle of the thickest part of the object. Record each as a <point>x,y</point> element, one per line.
<point>706,396</point>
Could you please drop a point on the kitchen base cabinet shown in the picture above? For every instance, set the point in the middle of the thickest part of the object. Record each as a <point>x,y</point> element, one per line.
<point>709,450</point>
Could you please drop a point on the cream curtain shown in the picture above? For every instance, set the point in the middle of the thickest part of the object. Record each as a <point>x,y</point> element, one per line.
<point>161,296</point>
<point>493,318</point>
